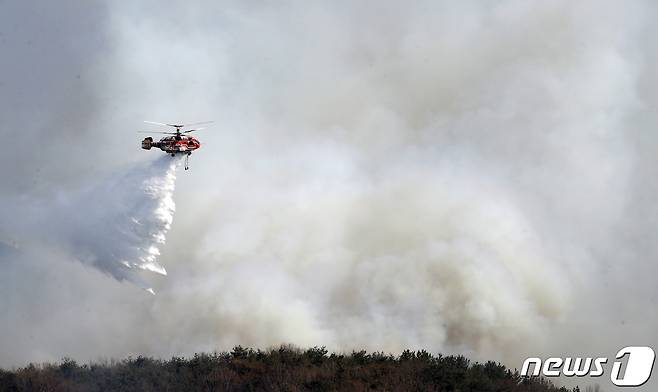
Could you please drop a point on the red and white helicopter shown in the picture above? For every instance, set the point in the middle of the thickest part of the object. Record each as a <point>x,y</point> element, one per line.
<point>178,143</point>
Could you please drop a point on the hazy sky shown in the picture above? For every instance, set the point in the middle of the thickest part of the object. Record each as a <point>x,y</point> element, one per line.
<point>474,177</point>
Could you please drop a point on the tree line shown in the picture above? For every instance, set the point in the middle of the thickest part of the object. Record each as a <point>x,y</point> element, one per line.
<point>280,369</point>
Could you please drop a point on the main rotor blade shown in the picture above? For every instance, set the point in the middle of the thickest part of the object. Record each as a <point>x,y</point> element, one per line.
<point>156,123</point>
<point>166,133</point>
<point>199,123</point>
<point>178,126</point>
<point>193,130</point>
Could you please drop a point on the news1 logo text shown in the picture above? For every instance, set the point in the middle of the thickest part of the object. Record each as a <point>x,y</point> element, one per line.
<point>632,366</point>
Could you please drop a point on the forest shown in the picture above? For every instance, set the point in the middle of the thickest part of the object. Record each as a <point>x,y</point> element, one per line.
<point>285,368</point>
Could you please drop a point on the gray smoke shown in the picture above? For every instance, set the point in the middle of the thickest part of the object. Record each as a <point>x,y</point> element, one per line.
<point>475,177</point>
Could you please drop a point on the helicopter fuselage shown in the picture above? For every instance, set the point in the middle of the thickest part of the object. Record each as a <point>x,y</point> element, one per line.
<point>178,144</point>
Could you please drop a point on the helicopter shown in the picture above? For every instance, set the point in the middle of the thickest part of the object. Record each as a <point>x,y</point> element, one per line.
<point>178,143</point>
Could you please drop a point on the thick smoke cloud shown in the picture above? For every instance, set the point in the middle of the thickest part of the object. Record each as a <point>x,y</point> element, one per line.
<point>475,177</point>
